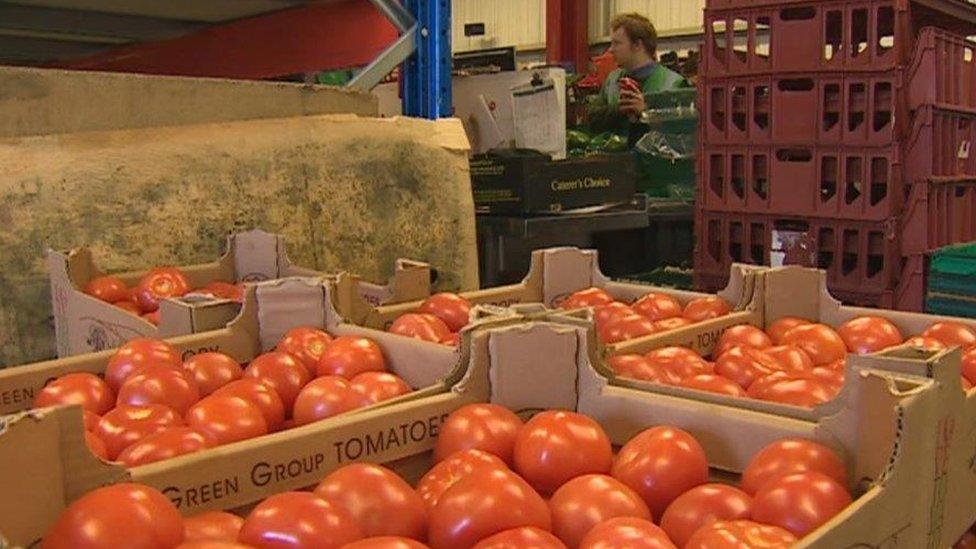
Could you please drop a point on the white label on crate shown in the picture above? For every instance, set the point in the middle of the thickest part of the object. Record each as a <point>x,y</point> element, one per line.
<point>964,149</point>
<point>789,248</point>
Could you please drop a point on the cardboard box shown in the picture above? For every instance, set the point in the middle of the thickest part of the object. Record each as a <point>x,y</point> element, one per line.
<point>85,324</point>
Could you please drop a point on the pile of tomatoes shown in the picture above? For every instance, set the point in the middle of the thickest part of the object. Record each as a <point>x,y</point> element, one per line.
<point>158,284</point>
<point>151,405</point>
<point>438,319</point>
<point>794,361</point>
<point>653,313</point>
<point>499,483</point>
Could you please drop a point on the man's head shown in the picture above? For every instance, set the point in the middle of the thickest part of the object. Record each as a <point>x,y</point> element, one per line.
<point>633,40</point>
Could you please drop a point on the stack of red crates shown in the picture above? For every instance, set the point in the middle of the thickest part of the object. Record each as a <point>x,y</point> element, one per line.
<point>837,134</point>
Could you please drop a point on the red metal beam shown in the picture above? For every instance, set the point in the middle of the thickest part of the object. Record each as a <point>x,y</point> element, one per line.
<point>312,38</point>
<point>567,33</point>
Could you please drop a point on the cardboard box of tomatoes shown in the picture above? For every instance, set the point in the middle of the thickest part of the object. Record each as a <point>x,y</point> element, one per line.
<point>93,312</point>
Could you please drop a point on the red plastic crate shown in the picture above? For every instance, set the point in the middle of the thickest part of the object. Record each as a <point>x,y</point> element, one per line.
<point>939,212</point>
<point>943,71</point>
<point>940,144</point>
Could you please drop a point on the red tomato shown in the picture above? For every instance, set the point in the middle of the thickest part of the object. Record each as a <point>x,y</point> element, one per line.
<point>590,297</point>
<point>801,390</point>
<point>260,394</point>
<point>556,446</point>
<point>450,308</point>
<point>790,358</point>
<point>744,365</point>
<point>799,502</point>
<point>701,506</point>
<point>966,384</point>
<point>927,343</point>
<point>713,384</point>
<point>778,329</point>
<point>385,542</point>
<point>951,334</point>
<point>488,427</point>
<point>306,344</point>
<point>969,364</point>
<point>211,371</point>
<point>482,504</point>
<point>833,378</point>
<point>96,445</point>
<point>166,444</point>
<point>373,495</point>
<point>164,385</point>
<point>136,354</point>
<point>588,500</point>
<point>152,318</point>
<point>325,397</point>
<point>967,541</point>
<point>629,532</point>
<point>740,533</point>
<point>606,314</point>
<point>657,306</point>
<point>108,288</point>
<point>637,367</point>
<point>129,307</point>
<point>869,334</point>
<point>521,538</point>
<point>120,515</point>
<point>227,419</point>
<point>379,386</point>
<point>88,390</point>
<point>283,372</point>
<point>452,340</point>
<point>124,425</point>
<point>212,525</point>
<point>669,324</point>
<point>625,328</point>
<point>789,456</point>
<point>226,290</point>
<point>678,363</point>
<point>91,420</point>
<point>705,308</point>
<point>299,519</point>
<point>420,326</point>
<point>660,464</point>
<point>159,284</point>
<point>212,544</point>
<point>348,356</point>
<point>742,335</point>
<point>455,467</point>
<point>819,341</point>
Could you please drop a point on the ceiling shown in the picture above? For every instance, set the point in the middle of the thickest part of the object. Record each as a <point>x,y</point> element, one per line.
<point>34,32</point>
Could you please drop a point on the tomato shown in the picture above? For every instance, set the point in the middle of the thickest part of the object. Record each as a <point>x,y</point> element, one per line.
<point>482,504</point>
<point>452,340</point>
<point>212,525</point>
<point>625,328</point>
<point>966,384</point>
<point>819,341</point>
<point>626,532</point>
<point>227,419</point>
<point>453,309</point>
<point>164,385</point>
<point>373,495</point>
<point>799,502</point>
<point>325,397</point>
<point>420,326</point>
<point>967,541</point>
<point>211,371</point>
<point>166,444</point>
<point>90,420</point>
<point>713,384</point>
<point>158,284</point>
<point>833,378</point>
<point>120,515</point>
<point>260,394</point>
<point>790,358</point>
<point>299,519</point>
<point>212,544</point>
<point>636,367</point>
<point>742,335</point>
<point>660,464</point>
<point>590,297</point>
<point>678,363</point>
<point>705,308</point>
<point>96,445</point>
<point>744,534</point>
<point>385,542</point>
<point>521,538</point>
<point>226,290</point>
<point>669,324</point>
<point>803,390</point>
<point>108,288</point>
<point>137,353</point>
<point>869,334</point>
<point>788,456</point>
<point>129,307</point>
<point>488,427</point>
<point>348,356</point>
<point>588,500</point>
<point>604,315</point>
<point>283,372</point>
<point>125,425</point>
<point>556,446</point>
<point>657,306</point>
<point>379,386</point>
<point>969,364</point>
<point>744,365</point>
<point>88,390</point>
<point>927,343</point>
<point>152,318</point>
<point>951,334</point>
<point>778,329</point>
<point>306,344</point>
<point>703,505</point>
<point>452,469</point>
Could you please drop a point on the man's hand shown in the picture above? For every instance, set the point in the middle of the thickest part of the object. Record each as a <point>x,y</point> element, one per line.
<point>632,103</point>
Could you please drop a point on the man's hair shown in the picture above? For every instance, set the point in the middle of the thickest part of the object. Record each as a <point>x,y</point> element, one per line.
<point>638,28</point>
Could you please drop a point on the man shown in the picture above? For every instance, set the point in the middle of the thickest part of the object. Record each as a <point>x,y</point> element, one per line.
<point>633,44</point>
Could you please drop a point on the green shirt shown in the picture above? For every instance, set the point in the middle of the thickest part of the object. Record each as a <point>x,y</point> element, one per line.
<point>604,114</point>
